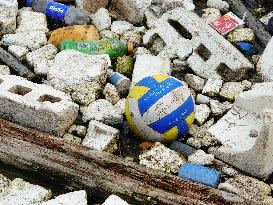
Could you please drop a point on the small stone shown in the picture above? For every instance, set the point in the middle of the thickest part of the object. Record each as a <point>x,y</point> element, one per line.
<point>217,108</point>
<point>111,93</point>
<point>31,40</point>
<point>202,113</point>
<point>194,142</point>
<point>103,111</point>
<point>114,200</point>
<point>242,35</point>
<point>200,157</point>
<point>195,82</point>
<point>202,99</point>
<point>211,14</point>
<point>255,59</point>
<point>76,32</point>
<point>131,36</point>
<point>4,182</point>
<point>91,6</point>
<point>212,87</point>
<point>247,187</point>
<point>119,27</point>
<point>218,4</point>
<point>4,70</point>
<point>162,158</point>
<point>72,139</point>
<point>45,53</point>
<point>7,19</point>
<point>101,19</point>
<point>231,90</point>
<point>78,130</point>
<point>229,171</point>
<point>19,52</point>
<point>179,65</point>
<point>101,137</point>
<point>75,198</point>
<point>125,65</point>
<point>19,192</point>
<point>107,34</point>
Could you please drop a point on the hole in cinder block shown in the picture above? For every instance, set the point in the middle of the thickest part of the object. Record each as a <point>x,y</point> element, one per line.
<point>20,90</point>
<point>180,29</point>
<point>49,98</point>
<point>228,74</point>
<point>1,81</point>
<point>203,52</point>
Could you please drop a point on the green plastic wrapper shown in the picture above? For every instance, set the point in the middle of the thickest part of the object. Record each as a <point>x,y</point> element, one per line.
<point>113,47</point>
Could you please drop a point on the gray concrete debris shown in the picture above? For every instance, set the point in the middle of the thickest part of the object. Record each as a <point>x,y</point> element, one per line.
<point>101,137</point>
<point>19,52</point>
<point>202,113</point>
<point>252,113</point>
<point>183,149</point>
<point>4,70</point>
<point>265,19</point>
<point>29,21</point>
<point>103,111</point>
<point>40,55</point>
<point>80,75</point>
<point>31,40</point>
<point>78,130</point>
<point>162,158</point>
<point>147,65</point>
<point>72,139</point>
<point>111,93</point>
<point>217,108</point>
<point>209,54</point>
<point>120,105</point>
<point>75,198</point>
<point>211,14</point>
<point>247,187</point>
<point>36,105</point>
<point>202,99</point>
<point>19,192</point>
<point>91,6</point>
<point>218,4</point>
<point>195,82</point>
<point>7,19</point>
<point>132,10</point>
<point>231,90</point>
<point>119,27</point>
<point>200,157</point>
<point>101,19</point>
<point>212,87</point>
<point>265,63</point>
<point>114,200</point>
<point>132,36</point>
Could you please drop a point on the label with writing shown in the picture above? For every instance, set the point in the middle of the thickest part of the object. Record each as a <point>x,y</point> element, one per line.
<point>56,11</point>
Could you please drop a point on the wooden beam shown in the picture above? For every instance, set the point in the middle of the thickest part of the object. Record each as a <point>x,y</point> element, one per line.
<point>239,9</point>
<point>98,172</point>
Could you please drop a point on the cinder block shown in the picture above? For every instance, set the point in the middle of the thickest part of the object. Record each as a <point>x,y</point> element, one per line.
<point>207,52</point>
<point>245,132</point>
<point>101,137</point>
<point>200,174</point>
<point>35,105</point>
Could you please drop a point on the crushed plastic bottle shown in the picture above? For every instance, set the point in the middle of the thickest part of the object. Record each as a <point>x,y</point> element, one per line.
<point>60,12</point>
<point>113,47</point>
<point>121,82</point>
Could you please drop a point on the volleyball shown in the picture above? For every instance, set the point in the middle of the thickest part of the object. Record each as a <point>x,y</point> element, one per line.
<point>160,108</point>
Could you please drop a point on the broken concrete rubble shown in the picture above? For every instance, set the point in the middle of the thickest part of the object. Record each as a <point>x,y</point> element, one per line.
<point>7,19</point>
<point>114,200</point>
<point>251,113</point>
<point>209,54</point>
<point>19,52</point>
<point>80,75</point>
<point>101,137</point>
<point>91,6</point>
<point>37,106</point>
<point>4,70</point>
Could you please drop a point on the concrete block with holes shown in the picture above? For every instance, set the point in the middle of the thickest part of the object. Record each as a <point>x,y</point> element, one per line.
<point>246,132</point>
<point>190,38</point>
<point>35,105</point>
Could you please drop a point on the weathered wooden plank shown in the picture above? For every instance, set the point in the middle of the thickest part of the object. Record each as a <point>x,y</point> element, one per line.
<point>98,172</point>
<point>239,9</point>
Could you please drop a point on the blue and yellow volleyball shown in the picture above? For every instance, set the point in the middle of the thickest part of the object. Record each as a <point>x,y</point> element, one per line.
<point>160,108</point>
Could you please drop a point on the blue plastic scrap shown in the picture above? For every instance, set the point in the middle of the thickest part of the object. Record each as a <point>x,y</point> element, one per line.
<point>247,48</point>
<point>200,174</point>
